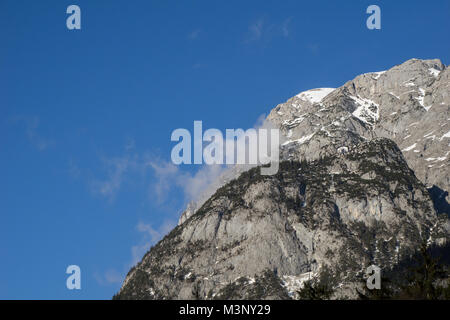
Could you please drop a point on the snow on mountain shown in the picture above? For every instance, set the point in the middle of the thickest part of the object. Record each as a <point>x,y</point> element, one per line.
<point>402,103</point>
<point>367,110</point>
<point>315,95</point>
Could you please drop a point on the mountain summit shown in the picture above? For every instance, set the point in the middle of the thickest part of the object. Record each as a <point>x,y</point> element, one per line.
<point>363,180</point>
<point>408,104</point>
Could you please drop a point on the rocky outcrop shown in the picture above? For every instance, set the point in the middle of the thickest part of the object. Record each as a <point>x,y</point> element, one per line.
<point>408,103</point>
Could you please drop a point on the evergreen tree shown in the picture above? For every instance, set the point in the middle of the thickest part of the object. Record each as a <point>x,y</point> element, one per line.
<point>384,293</point>
<point>424,278</point>
<point>320,288</point>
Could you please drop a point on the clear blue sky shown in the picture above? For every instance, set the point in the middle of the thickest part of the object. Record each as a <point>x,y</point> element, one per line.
<point>83,113</point>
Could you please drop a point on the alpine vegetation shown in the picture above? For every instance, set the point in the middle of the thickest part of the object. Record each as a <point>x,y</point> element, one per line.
<point>362,185</point>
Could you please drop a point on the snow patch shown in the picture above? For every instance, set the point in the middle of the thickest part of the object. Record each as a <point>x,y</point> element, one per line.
<point>421,98</point>
<point>376,75</point>
<point>342,150</point>
<point>299,141</point>
<point>289,134</point>
<point>447,135</point>
<point>315,95</point>
<point>295,283</point>
<point>367,111</point>
<point>434,72</point>
<point>336,123</point>
<point>392,94</point>
<point>410,147</point>
<point>293,123</point>
<point>436,159</point>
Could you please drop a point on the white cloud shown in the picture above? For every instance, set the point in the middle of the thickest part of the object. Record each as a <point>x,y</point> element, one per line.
<point>261,29</point>
<point>193,185</point>
<point>130,144</point>
<point>31,124</point>
<point>74,169</point>
<point>154,235</point>
<point>116,171</point>
<point>113,276</point>
<point>109,277</point>
<point>285,27</point>
<point>202,184</point>
<point>150,237</point>
<point>35,138</point>
<point>167,177</point>
<point>164,173</point>
<point>255,30</point>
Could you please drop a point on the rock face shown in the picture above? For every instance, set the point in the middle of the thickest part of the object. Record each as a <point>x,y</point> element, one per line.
<point>408,104</point>
<point>351,191</point>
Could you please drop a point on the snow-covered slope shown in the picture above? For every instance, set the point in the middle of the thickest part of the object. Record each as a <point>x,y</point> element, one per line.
<point>315,95</point>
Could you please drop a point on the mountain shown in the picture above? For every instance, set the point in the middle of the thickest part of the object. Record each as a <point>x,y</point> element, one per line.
<point>363,180</point>
<point>408,104</point>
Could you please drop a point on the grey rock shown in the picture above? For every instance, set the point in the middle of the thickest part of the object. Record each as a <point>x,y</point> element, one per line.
<point>289,225</point>
<point>351,191</point>
<point>409,103</point>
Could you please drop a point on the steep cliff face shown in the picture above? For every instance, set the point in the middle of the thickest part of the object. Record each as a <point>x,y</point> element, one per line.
<point>351,191</point>
<point>261,236</point>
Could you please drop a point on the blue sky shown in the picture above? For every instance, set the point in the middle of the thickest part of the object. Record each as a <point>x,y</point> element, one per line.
<point>86,115</point>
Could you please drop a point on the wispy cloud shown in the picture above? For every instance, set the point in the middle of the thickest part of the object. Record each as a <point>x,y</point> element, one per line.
<point>285,27</point>
<point>31,126</point>
<point>164,173</point>
<point>166,177</point>
<point>313,48</point>
<point>192,185</point>
<point>194,35</point>
<point>74,169</point>
<point>198,65</point>
<point>109,277</point>
<point>199,185</point>
<point>150,236</point>
<point>116,171</point>
<point>162,177</point>
<point>36,139</point>
<point>263,29</point>
<point>130,144</point>
<point>255,30</point>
